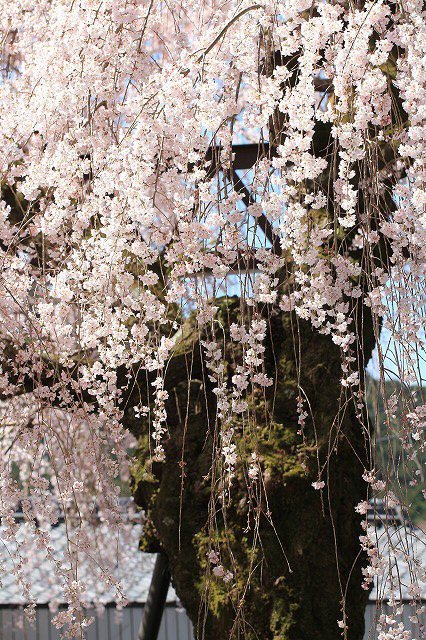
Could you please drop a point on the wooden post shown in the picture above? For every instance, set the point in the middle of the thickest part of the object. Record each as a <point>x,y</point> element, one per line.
<point>154,606</point>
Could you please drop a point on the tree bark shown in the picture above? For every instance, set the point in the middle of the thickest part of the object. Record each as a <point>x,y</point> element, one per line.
<point>307,564</point>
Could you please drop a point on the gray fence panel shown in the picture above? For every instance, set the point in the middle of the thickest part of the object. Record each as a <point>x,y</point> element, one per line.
<point>136,618</point>
<point>44,625</point>
<point>113,625</point>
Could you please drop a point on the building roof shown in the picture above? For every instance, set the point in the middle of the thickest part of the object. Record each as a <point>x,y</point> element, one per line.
<point>401,550</point>
<point>132,567</point>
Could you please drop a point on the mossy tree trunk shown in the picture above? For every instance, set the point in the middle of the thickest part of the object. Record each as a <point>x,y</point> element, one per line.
<point>306,565</point>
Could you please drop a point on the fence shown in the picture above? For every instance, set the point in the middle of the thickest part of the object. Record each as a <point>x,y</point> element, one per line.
<point>123,625</point>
